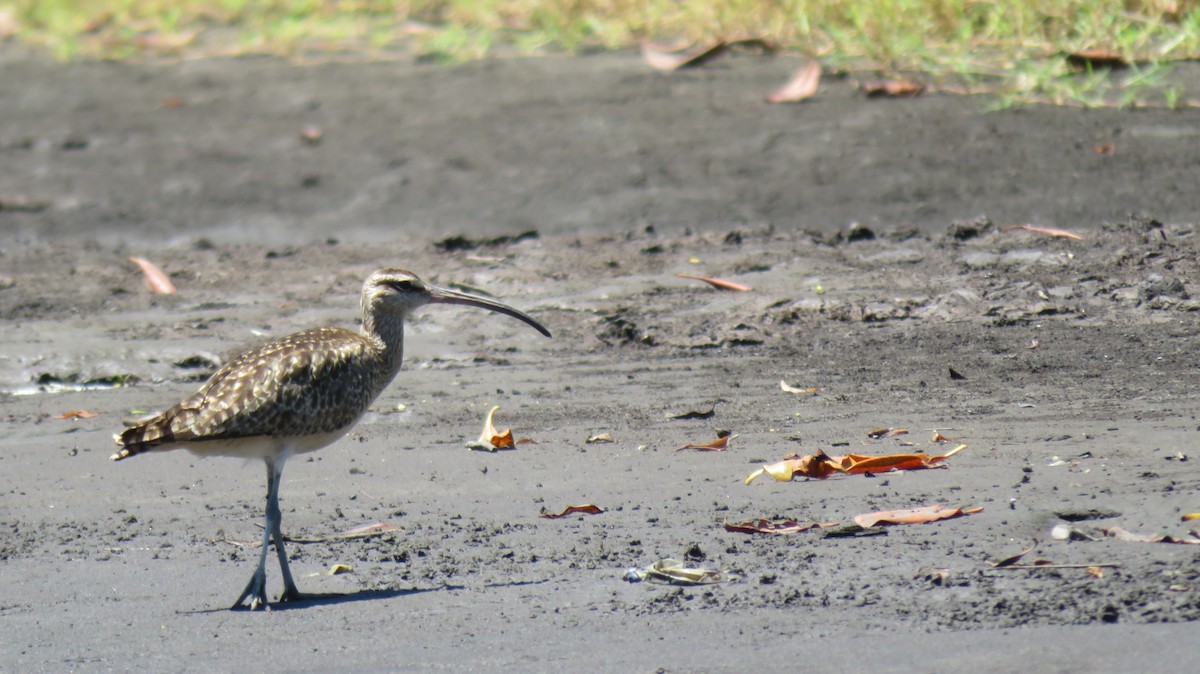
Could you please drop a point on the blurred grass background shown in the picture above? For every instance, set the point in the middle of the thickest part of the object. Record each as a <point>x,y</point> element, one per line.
<point>1019,44</point>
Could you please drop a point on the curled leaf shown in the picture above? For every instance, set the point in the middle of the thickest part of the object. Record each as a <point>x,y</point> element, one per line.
<point>667,60</point>
<point>156,280</point>
<point>1009,561</point>
<point>600,437</point>
<point>76,414</point>
<point>338,569</point>
<point>923,515</point>
<point>718,445</point>
<point>777,527</point>
<point>587,509</point>
<point>719,284</point>
<point>802,86</point>
<point>819,466</point>
<point>491,439</point>
<point>811,390</point>
<point>891,89</point>
<point>673,572</point>
<point>1048,231</point>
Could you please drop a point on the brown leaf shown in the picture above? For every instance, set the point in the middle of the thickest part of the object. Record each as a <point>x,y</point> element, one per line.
<point>802,86</point>
<point>718,445</point>
<point>1104,149</point>
<point>1085,59</point>
<point>942,439</point>
<point>1096,571</point>
<point>491,439</point>
<point>877,433</point>
<point>1049,231</point>
<point>892,89</point>
<point>931,513</point>
<point>1009,561</point>
<point>667,60</point>
<point>863,463</point>
<point>717,283</point>
<point>587,509</point>
<point>171,102</point>
<point>818,466</point>
<point>156,280</point>
<point>766,526</point>
<point>76,414</point>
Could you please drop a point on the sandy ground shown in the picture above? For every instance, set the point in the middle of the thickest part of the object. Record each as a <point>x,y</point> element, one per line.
<point>1079,357</point>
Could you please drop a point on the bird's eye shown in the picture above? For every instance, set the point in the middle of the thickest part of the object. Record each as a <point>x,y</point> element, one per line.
<point>402,286</point>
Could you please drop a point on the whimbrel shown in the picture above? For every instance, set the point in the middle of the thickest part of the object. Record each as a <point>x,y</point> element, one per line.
<point>297,394</point>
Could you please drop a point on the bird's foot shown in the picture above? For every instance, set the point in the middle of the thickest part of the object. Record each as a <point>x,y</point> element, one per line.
<point>294,595</point>
<point>256,592</point>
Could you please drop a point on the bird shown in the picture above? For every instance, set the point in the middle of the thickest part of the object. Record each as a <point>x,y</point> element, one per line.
<point>295,395</point>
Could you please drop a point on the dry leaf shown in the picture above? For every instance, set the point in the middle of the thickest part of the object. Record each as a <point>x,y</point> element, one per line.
<point>1049,231</point>
<point>719,284</point>
<point>812,390</point>
<point>1123,535</point>
<point>1096,58</point>
<point>942,439</point>
<point>819,466</point>
<point>892,89</point>
<point>338,569</point>
<point>877,433</point>
<point>863,463</point>
<point>587,509</point>
<point>672,571</point>
<point>931,513</point>
<point>171,102</point>
<point>1096,571</point>
<point>156,280</point>
<point>1104,149</point>
<point>802,86</point>
<point>491,439</point>
<point>667,60</point>
<point>77,414</point>
<point>766,526</point>
<point>718,445</point>
<point>1009,561</point>
<point>602,437</point>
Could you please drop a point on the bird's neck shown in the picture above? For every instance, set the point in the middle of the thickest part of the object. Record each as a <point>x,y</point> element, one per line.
<point>386,330</point>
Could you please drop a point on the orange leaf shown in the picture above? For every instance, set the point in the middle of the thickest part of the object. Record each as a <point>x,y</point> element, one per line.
<point>588,509</point>
<point>1050,231</point>
<point>931,513</point>
<point>667,60</point>
<point>717,283</point>
<point>1104,149</point>
<point>156,280</point>
<point>802,86</point>
<point>718,445</point>
<point>77,414</point>
<point>892,89</point>
<point>766,526</point>
<point>491,439</point>
<point>862,463</point>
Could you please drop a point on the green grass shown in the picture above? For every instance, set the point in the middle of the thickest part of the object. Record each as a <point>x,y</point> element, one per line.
<point>1014,49</point>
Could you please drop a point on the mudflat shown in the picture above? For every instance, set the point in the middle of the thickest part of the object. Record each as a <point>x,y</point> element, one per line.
<point>876,239</point>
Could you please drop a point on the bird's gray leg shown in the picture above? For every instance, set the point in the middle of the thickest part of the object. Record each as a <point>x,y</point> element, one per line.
<point>290,593</point>
<point>256,589</point>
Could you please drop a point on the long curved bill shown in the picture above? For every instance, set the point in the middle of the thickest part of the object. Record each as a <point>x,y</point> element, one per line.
<point>447,296</point>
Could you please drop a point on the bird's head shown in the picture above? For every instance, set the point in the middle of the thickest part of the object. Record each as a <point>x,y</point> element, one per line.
<point>400,292</point>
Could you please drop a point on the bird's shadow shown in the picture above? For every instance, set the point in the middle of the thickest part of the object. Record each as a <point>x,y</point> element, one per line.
<point>331,599</point>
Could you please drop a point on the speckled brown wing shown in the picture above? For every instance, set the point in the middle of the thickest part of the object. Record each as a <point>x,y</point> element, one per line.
<point>316,381</point>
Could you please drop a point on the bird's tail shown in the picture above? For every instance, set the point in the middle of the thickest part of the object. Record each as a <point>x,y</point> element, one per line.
<point>143,437</point>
